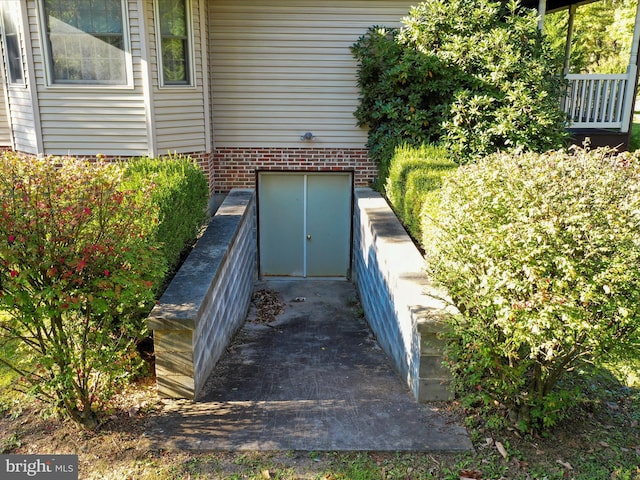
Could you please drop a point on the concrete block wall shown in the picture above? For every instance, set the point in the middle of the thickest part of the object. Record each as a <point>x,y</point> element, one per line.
<point>207,300</point>
<point>403,308</point>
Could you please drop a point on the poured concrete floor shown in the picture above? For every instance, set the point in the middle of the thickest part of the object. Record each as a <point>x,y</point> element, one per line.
<point>312,379</point>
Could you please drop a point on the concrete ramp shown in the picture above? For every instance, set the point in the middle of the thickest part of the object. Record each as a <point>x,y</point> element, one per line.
<point>311,378</point>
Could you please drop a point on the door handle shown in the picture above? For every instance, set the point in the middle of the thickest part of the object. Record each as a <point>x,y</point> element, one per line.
<point>308,237</point>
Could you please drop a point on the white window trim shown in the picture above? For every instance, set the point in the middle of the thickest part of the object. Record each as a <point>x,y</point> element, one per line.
<point>73,86</point>
<point>158,45</point>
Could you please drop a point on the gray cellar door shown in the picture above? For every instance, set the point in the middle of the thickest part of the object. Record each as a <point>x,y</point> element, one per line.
<point>304,224</point>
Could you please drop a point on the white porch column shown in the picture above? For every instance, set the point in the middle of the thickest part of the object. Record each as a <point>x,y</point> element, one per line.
<point>542,8</point>
<point>632,76</point>
<point>567,46</point>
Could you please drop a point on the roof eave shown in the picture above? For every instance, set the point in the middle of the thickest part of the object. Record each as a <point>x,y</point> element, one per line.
<point>555,5</point>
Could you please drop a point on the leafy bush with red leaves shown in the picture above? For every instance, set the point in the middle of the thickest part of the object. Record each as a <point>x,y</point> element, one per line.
<point>77,271</point>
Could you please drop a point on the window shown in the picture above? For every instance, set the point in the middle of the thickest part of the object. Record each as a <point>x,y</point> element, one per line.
<point>173,31</point>
<point>86,41</point>
<point>13,52</point>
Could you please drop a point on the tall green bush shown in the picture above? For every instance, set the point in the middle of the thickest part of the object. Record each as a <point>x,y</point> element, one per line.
<point>180,193</point>
<point>77,270</point>
<point>403,95</point>
<point>476,75</point>
<point>415,176</point>
<point>541,254</point>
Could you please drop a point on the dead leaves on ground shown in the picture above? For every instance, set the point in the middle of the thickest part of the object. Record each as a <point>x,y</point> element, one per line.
<point>470,475</point>
<point>268,305</point>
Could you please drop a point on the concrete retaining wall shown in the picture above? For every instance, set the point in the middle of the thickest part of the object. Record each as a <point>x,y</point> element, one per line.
<point>209,297</point>
<point>403,308</point>
<point>207,300</point>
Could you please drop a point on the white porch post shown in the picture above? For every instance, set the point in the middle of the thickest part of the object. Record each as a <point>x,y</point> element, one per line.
<point>567,46</point>
<point>632,75</point>
<point>542,8</point>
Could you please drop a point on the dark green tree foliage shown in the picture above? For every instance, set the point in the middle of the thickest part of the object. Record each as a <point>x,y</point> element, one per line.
<point>475,75</point>
<point>404,94</point>
<point>602,36</point>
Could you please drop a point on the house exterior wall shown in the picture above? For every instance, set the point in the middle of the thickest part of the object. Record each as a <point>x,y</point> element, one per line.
<point>22,117</point>
<point>180,113</point>
<point>280,69</point>
<point>235,167</point>
<point>141,118</point>
<point>19,99</point>
<point>87,119</point>
<point>264,74</point>
<point>5,131</point>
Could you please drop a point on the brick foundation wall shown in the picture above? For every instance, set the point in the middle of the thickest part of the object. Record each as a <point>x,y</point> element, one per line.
<point>236,167</point>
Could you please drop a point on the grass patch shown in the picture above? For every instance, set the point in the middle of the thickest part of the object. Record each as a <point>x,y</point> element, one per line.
<point>8,377</point>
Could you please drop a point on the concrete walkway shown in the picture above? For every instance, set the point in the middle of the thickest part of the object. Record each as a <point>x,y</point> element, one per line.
<point>312,379</point>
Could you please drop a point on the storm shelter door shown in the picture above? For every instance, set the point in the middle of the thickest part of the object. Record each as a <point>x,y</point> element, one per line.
<point>304,224</point>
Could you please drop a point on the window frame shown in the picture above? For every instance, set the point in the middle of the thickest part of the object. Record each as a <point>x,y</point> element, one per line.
<point>189,57</point>
<point>51,81</point>
<point>11,80</point>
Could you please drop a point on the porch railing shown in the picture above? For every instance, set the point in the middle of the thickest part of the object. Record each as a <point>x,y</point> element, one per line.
<point>598,101</point>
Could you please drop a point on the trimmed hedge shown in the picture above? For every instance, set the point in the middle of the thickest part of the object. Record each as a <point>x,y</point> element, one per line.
<point>541,255</point>
<point>415,176</point>
<point>180,193</point>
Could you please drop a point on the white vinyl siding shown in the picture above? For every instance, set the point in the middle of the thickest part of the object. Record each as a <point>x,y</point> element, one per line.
<point>5,132</point>
<point>99,122</point>
<point>20,100</point>
<point>179,111</point>
<point>280,69</point>
<point>86,120</point>
<point>22,120</point>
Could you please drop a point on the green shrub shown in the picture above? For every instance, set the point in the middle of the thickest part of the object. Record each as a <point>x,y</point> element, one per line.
<point>77,270</point>
<point>475,75</point>
<point>541,254</point>
<point>414,178</point>
<point>180,193</point>
<point>403,95</point>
